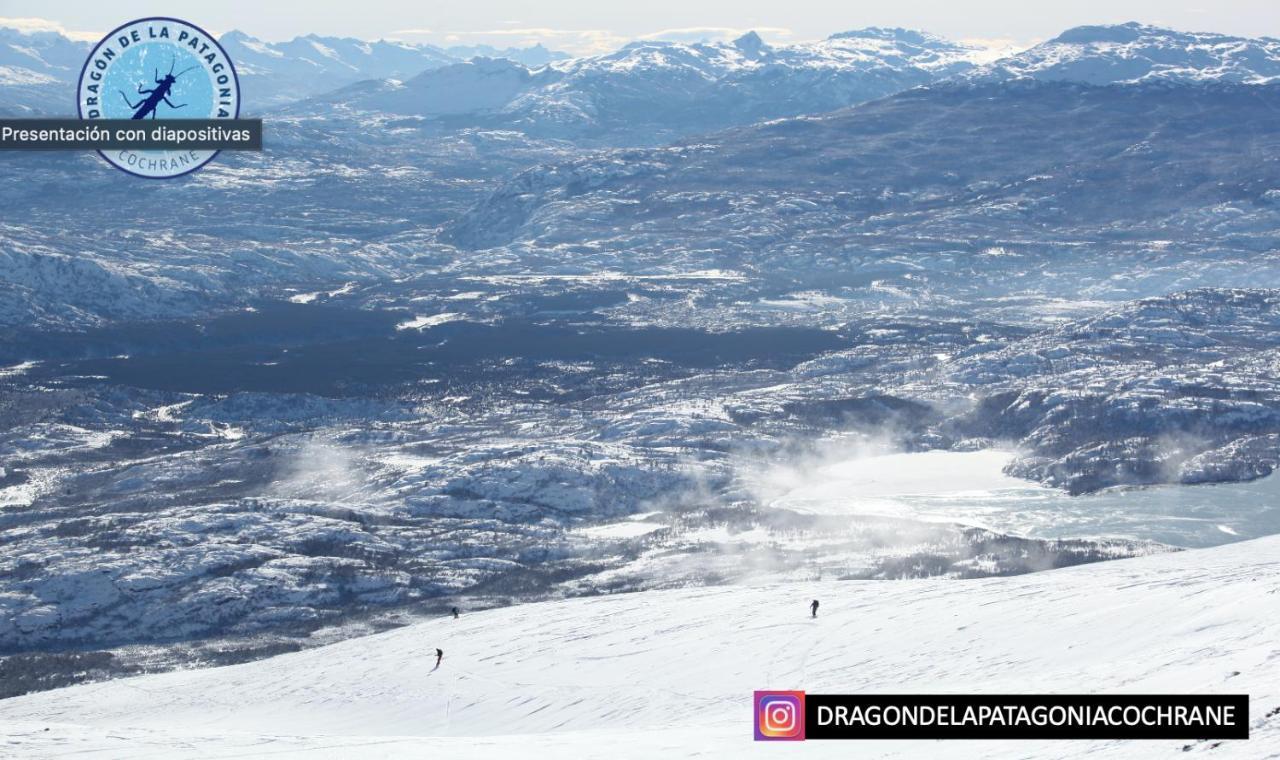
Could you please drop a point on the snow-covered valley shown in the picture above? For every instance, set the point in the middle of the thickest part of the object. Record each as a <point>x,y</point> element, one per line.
<point>973,488</point>
<point>984,353</point>
<point>671,673</point>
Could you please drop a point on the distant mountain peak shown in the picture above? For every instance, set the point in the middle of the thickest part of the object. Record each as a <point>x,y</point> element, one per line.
<point>750,44</point>
<point>655,90</point>
<point>1134,53</point>
<point>490,65</point>
<point>895,34</point>
<point>1117,33</point>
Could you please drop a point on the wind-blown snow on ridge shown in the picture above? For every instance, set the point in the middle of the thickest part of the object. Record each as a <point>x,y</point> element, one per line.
<point>675,670</point>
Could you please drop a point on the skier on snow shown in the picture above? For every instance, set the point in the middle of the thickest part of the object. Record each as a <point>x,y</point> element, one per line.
<point>455,613</point>
<point>439,656</point>
<point>813,608</point>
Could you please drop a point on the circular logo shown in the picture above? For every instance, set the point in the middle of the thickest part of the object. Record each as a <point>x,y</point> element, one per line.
<point>158,68</point>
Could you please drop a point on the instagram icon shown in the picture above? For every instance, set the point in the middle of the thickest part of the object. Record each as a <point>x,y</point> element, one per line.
<point>779,715</point>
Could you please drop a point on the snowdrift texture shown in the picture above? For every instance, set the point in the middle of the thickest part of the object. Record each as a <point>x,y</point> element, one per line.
<point>671,673</point>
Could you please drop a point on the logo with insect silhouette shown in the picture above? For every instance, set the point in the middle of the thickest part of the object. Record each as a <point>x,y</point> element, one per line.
<point>154,69</point>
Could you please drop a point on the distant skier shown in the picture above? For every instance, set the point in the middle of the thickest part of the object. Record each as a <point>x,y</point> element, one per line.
<point>439,656</point>
<point>455,613</point>
<point>813,608</point>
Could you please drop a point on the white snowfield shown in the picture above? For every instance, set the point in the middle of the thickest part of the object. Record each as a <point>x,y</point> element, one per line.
<point>670,674</point>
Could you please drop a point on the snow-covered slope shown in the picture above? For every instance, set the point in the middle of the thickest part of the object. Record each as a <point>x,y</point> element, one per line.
<point>43,54</point>
<point>662,89</point>
<point>1128,53</point>
<point>636,675</point>
<point>36,69</point>
<point>946,160</point>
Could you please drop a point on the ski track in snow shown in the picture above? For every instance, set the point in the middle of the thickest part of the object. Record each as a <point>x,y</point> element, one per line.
<point>671,673</point>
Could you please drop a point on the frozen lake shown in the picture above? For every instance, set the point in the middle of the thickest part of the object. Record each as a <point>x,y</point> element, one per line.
<point>971,488</point>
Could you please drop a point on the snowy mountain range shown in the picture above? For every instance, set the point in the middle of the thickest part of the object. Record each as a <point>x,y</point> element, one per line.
<point>652,88</point>
<point>649,92</point>
<point>1132,53</point>
<point>274,73</point>
<point>38,69</point>
<point>653,92</point>
<point>39,57</point>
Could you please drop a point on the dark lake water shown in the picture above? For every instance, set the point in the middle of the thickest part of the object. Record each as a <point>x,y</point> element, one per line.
<point>331,350</point>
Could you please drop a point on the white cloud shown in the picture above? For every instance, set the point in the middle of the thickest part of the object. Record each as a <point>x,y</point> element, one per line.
<point>995,48</point>
<point>30,25</point>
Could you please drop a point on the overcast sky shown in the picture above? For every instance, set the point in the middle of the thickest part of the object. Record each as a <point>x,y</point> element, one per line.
<point>589,27</point>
